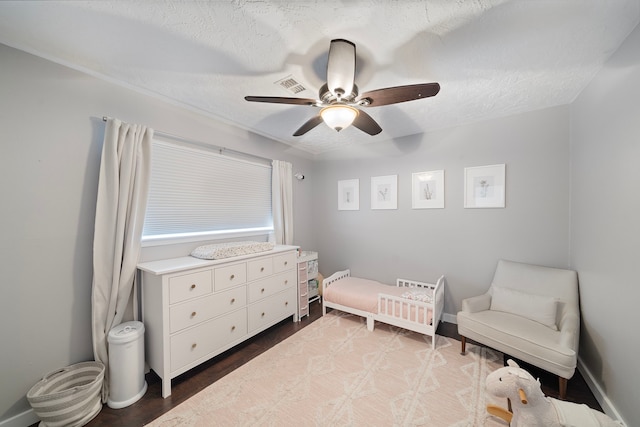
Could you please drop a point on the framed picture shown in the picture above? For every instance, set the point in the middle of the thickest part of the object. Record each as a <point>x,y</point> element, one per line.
<point>484,187</point>
<point>349,195</point>
<point>427,190</point>
<point>384,192</point>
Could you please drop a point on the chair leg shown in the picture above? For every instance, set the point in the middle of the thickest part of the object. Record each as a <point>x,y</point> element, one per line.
<point>563,387</point>
<point>463,341</point>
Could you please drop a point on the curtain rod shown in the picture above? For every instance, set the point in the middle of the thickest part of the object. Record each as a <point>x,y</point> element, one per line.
<point>221,150</point>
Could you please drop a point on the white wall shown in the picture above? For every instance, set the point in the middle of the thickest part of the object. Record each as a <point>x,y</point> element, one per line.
<point>463,244</point>
<point>51,133</point>
<point>605,230</point>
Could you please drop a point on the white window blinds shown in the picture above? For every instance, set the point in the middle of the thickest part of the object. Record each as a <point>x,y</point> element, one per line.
<point>197,192</point>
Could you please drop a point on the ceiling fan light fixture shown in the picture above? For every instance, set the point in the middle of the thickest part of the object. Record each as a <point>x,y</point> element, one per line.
<point>338,117</point>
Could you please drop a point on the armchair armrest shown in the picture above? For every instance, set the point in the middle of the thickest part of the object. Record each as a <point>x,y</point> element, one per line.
<point>570,331</point>
<point>477,303</point>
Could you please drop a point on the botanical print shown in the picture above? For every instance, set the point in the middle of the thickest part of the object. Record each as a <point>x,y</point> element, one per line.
<point>348,195</point>
<point>483,187</point>
<point>428,190</point>
<point>383,192</point>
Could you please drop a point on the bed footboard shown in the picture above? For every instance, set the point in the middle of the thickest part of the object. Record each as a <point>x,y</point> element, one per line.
<point>421,316</point>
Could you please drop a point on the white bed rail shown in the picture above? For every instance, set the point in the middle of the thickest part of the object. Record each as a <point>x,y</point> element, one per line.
<point>412,314</point>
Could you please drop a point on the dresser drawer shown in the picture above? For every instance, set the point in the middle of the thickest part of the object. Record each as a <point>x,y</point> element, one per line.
<point>230,276</point>
<point>304,309</point>
<point>272,309</point>
<point>303,289</point>
<point>259,268</point>
<point>195,311</point>
<point>195,343</point>
<point>191,285</point>
<point>271,285</point>
<point>284,262</point>
<point>302,273</point>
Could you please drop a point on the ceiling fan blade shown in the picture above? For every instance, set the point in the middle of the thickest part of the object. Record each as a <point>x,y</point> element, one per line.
<point>310,124</point>
<point>341,67</point>
<point>395,95</point>
<point>281,100</point>
<point>365,123</point>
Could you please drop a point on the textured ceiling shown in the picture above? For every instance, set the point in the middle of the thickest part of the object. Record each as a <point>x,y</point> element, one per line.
<point>492,58</point>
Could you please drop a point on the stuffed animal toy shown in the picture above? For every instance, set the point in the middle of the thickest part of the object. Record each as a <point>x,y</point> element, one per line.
<point>531,408</point>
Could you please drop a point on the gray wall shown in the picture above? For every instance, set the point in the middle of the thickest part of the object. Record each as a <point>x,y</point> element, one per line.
<point>605,242</point>
<point>51,133</point>
<point>463,244</point>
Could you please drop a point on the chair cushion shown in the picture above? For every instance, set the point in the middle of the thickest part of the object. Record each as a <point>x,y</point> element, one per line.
<point>539,308</point>
<point>521,338</point>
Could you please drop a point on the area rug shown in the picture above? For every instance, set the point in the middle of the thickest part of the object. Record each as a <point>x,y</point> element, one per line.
<point>335,372</point>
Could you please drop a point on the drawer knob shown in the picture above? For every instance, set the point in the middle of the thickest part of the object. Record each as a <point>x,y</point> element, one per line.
<point>262,290</point>
<point>286,303</point>
<point>193,286</point>
<point>286,281</point>
<point>233,300</point>
<point>193,314</point>
<point>261,269</point>
<point>233,328</point>
<point>193,346</point>
<point>262,314</point>
<point>286,262</point>
<point>232,276</point>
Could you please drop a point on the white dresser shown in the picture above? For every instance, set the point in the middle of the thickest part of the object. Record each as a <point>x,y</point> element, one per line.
<point>195,309</point>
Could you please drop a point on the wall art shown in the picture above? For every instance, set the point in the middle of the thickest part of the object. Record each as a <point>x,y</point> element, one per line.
<point>349,195</point>
<point>384,192</point>
<point>427,190</point>
<point>484,186</point>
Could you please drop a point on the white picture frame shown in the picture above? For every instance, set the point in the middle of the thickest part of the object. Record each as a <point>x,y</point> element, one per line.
<point>484,186</point>
<point>384,192</point>
<point>427,190</point>
<point>349,195</point>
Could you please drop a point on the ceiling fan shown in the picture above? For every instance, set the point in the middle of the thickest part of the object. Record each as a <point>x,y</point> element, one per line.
<point>339,100</point>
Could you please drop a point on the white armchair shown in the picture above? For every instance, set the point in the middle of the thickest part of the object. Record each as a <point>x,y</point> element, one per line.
<point>531,313</point>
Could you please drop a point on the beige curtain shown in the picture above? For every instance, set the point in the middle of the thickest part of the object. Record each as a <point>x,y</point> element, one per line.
<point>122,199</point>
<point>282,202</point>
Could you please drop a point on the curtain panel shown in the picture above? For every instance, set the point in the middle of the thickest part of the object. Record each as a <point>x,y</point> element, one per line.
<point>120,210</point>
<point>282,202</point>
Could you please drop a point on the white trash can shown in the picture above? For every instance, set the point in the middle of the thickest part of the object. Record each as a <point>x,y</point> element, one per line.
<point>126,364</point>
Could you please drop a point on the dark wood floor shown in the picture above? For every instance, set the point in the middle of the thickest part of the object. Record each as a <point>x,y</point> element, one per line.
<point>152,405</point>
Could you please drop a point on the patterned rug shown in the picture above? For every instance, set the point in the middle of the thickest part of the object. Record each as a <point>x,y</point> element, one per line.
<point>335,372</point>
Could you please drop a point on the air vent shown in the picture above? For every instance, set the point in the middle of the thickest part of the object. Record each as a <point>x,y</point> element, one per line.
<point>291,84</point>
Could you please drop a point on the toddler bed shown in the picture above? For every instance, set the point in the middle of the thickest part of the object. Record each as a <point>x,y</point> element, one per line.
<point>412,305</point>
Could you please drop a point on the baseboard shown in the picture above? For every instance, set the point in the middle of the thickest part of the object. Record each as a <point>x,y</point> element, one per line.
<point>26,418</point>
<point>449,318</point>
<point>598,393</point>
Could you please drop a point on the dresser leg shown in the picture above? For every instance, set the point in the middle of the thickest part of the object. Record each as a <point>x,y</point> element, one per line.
<point>166,388</point>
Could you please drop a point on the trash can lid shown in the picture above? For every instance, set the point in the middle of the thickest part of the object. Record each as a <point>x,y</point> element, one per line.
<point>125,332</point>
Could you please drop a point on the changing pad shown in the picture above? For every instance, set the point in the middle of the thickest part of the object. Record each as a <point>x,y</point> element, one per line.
<point>231,249</point>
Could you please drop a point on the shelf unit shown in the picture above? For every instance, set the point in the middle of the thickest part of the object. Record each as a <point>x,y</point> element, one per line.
<point>307,281</point>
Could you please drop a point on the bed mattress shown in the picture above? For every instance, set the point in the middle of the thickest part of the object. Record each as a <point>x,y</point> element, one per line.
<point>362,294</point>
<point>358,293</point>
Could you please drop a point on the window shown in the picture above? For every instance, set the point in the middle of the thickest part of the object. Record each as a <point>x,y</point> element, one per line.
<point>198,194</point>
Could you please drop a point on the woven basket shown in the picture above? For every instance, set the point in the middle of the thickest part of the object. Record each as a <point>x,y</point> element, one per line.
<point>69,396</point>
